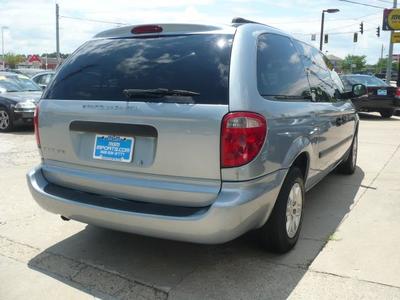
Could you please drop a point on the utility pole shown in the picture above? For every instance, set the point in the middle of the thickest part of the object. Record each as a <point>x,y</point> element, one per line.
<point>390,56</point>
<point>380,65</point>
<point>57,34</point>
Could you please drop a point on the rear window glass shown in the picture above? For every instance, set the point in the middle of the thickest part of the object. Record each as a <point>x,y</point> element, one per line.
<point>349,80</point>
<point>103,69</point>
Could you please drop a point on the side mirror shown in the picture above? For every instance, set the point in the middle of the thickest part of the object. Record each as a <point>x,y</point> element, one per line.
<point>359,90</point>
<point>42,86</point>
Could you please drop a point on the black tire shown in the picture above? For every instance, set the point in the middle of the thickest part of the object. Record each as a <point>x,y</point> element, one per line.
<point>349,165</point>
<point>386,114</point>
<point>6,120</point>
<point>274,235</point>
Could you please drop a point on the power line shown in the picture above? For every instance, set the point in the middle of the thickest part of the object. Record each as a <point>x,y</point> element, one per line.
<point>384,1</point>
<point>354,23</point>
<point>319,20</point>
<point>93,20</point>
<point>370,5</point>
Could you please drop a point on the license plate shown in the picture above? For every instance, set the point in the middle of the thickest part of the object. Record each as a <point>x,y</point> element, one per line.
<point>381,92</point>
<point>115,148</point>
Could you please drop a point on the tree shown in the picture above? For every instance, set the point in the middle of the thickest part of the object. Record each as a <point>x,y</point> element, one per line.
<point>354,63</point>
<point>13,59</point>
<point>380,66</point>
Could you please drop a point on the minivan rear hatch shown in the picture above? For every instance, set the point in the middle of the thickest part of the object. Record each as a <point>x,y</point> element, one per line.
<point>139,117</point>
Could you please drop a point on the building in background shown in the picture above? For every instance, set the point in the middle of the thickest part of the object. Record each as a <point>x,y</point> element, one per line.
<point>35,61</point>
<point>336,61</point>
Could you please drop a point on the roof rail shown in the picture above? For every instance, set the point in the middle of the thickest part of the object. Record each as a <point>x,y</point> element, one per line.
<point>239,20</point>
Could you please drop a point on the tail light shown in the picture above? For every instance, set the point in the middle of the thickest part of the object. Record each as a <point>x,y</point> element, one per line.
<point>36,125</point>
<point>242,137</point>
<point>397,95</point>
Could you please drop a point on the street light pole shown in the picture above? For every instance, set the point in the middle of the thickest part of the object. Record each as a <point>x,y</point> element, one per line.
<point>2,46</point>
<point>322,30</point>
<point>329,11</point>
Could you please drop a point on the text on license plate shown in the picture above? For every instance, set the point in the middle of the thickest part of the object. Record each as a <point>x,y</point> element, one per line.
<point>381,92</point>
<point>115,148</point>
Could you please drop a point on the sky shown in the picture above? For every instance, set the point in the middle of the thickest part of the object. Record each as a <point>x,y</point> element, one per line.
<point>31,24</point>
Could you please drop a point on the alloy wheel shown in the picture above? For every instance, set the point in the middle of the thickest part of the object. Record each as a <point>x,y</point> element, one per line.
<point>293,210</point>
<point>4,120</point>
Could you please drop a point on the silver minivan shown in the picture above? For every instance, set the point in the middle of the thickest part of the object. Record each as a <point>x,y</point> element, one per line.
<point>190,132</point>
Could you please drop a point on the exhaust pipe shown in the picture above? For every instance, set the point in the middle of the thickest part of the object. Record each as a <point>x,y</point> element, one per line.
<point>64,218</point>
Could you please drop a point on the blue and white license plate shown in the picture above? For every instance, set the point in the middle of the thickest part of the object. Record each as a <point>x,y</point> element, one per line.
<point>381,92</point>
<point>115,148</point>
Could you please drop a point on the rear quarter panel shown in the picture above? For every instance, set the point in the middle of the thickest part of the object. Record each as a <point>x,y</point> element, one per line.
<point>292,125</point>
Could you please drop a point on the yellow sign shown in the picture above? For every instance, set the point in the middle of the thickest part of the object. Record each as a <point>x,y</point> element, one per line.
<point>394,19</point>
<point>396,37</point>
<point>391,19</point>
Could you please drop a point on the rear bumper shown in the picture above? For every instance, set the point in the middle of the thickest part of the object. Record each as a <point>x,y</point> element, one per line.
<point>239,207</point>
<point>24,114</point>
<point>378,104</point>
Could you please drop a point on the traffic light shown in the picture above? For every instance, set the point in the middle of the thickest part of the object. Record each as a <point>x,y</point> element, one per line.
<point>326,39</point>
<point>362,27</point>
<point>355,37</point>
<point>378,31</point>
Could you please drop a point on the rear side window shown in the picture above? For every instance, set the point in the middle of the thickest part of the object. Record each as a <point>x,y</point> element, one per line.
<point>280,71</point>
<point>322,86</point>
<point>103,69</point>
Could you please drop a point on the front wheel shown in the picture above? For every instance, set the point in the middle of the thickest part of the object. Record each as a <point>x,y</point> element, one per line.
<point>6,123</point>
<point>282,229</point>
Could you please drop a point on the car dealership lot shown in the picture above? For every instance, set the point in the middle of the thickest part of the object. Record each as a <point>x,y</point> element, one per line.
<point>348,247</point>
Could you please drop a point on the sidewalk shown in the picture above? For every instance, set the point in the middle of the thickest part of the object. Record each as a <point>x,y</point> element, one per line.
<point>362,258</point>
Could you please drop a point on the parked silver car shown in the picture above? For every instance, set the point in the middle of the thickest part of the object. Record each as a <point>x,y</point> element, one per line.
<point>192,132</point>
<point>43,79</point>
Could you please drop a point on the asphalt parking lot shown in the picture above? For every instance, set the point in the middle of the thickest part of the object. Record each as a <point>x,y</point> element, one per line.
<point>348,249</point>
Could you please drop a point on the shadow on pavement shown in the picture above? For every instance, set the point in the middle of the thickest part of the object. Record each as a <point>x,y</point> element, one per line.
<point>105,262</point>
<point>21,130</point>
<point>375,117</point>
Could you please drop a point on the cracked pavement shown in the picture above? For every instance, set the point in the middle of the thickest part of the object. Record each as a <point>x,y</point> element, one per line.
<point>348,248</point>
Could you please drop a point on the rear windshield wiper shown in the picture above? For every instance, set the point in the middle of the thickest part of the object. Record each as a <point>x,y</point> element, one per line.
<point>158,93</point>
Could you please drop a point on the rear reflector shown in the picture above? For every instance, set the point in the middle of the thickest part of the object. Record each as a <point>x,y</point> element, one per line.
<point>242,137</point>
<point>146,29</point>
<point>36,125</point>
<point>397,95</point>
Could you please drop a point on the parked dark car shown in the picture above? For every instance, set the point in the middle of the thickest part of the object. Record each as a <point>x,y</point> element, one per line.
<point>18,98</point>
<point>381,97</point>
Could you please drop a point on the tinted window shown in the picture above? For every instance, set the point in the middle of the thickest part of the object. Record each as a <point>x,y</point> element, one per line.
<point>46,79</point>
<point>364,79</point>
<point>280,71</point>
<point>103,69</point>
<point>322,86</point>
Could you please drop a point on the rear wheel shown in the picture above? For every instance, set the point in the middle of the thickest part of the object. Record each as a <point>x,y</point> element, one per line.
<point>282,229</point>
<point>386,113</point>
<point>349,165</point>
<point>6,123</point>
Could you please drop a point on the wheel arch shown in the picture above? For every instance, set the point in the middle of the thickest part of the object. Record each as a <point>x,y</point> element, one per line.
<point>299,154</point>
